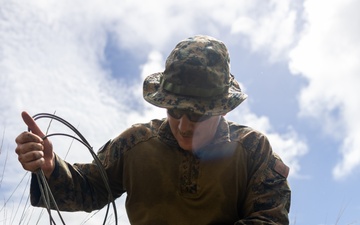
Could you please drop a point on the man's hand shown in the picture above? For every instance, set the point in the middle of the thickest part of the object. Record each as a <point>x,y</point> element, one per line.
<point>34,152</point>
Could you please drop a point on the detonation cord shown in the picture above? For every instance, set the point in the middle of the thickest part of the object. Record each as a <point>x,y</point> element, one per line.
<point>45,190</point>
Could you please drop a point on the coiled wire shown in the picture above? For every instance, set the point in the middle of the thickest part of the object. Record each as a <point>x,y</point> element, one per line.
<point>46,193</point>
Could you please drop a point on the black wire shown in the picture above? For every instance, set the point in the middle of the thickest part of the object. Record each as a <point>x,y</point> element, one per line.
<point>43,184</point>
<point>98,162</point>
<point>45,195</point>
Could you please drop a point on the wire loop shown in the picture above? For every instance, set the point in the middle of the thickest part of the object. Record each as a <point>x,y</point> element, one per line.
<point>46,193</point>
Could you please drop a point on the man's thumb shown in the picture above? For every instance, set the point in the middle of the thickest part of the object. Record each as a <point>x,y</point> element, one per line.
<point>30,122</point>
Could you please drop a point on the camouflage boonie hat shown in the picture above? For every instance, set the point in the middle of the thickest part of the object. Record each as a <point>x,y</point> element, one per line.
<point>196,78</point>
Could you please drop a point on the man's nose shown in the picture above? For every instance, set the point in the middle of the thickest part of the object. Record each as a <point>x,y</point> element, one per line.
<point>185,124</point>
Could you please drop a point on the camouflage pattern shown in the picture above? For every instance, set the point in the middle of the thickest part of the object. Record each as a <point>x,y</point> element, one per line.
<point>197,78</point>
<point>236,179</point>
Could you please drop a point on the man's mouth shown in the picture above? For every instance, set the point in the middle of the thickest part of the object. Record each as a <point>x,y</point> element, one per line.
<point>186,134</point>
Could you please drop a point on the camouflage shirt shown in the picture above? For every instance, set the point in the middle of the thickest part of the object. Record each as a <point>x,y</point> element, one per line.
<point>236,179</point>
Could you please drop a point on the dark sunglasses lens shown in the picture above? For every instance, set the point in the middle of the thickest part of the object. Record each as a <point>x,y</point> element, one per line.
<point>197,117</point>
<point>175,113</point>
<point>193,117</point>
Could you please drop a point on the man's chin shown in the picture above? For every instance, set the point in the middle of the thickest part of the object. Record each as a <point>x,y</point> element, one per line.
<point>187,146</point>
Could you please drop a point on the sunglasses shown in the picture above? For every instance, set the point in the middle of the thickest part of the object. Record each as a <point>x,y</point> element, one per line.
<point>193,117</point>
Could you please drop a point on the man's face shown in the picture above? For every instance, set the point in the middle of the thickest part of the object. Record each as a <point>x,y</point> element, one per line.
<point>191,130</point>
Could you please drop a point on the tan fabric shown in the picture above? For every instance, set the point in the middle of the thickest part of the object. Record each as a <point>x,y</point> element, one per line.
<point>234,180</point>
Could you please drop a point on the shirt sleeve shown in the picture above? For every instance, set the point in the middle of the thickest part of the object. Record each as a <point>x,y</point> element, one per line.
<point>79,187</point>
<point>268,194</point>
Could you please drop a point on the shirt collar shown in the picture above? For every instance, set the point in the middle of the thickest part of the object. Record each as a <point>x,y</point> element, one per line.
<point>222,133</point>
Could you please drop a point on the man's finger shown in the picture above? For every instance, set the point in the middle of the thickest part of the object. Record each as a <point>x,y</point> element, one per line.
<point>30,122</point>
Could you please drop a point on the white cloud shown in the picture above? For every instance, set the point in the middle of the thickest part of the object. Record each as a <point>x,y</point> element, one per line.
<point>328,56</point>
<point>272,28</point>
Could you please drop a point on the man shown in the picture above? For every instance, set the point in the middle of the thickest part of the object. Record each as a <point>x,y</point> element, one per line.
<point>194,167</point>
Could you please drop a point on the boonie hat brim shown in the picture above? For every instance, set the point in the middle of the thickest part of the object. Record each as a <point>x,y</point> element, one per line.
<point>219,105</point>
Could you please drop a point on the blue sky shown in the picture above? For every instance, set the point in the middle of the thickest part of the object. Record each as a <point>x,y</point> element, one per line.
<point>297,60</point>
